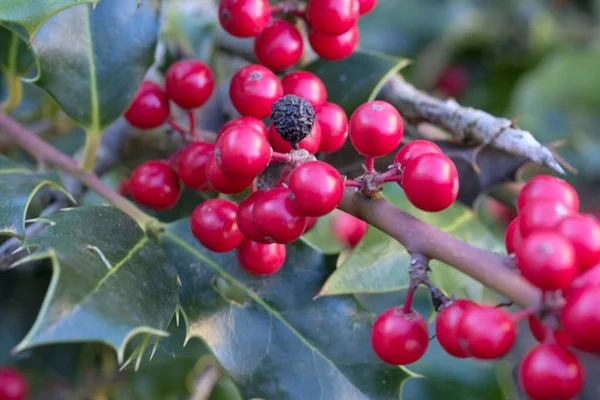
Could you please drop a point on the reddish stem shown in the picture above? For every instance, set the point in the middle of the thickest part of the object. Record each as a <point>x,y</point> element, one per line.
<point>280,157</point>
<point>370,165</point>
<point>177,127</point>
<point>351,183</point>
<point>192,118</point>
<point>408,302</point>
<point>524,313</point>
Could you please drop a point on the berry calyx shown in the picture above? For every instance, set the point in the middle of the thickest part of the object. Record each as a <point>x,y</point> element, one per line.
<point>311,143</point>
<point>224,183</point>
<point>253,90</point>
<point>334,48</point>
<point>540,332</point>
<point>366,6</point>
<point>255,123</point>
<point>486,332</point>
<point>13,385</point>
<point>551,372</point>
<point>332,17</point>
<point>398,338</point>
<point>446,327</point>
<point>512,238</point>
<point>214,224</point>
<point>155,185</point>
<point>279,46</point>
<point>580,318</point>
<point>275,217</point>
<point>191,165</point>
<point>244,18</point>
<point>189,83</point>
<point>317,188</point>
<point>260,259</point>
<point>547,260</point>
<point>334,126</point>
<point>430,182</point>
<point>306,85</point>
<point>293,118</point>
<point>376,128</point>
<point>546,187</point>
<point>541,215</point>
<point>149,108</point>
<point>245,220</point>
<point>242,152</point>
<point>348,229</point>
<point>584,234</point>
<point>413,150</point>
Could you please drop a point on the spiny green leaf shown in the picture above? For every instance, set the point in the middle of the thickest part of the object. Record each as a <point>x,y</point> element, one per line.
<point>110,281</point>
<point>268,332</point>
<point>15,57</point>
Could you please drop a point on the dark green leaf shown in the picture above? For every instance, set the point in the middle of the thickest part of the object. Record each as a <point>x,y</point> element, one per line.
<point>15,57</point>
<point>269,333</point>
<point>110,281</point>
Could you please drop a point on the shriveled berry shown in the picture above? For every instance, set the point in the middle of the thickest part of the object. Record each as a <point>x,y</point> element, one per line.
<point>150,107</point>
<point>486,332</point>
<point>276,219</point>
<point>317,188</point>
<point>332,17</point>
<point>376,128</point>
<point>546,187</point>
<point>348,229</point>
<point>242,152</point>
<point>430,182</point>
<point>255,123</point>
<point>191,165</point>
<point>366,6</point>
<point>293,118</point>
<point>189,83</point>
<point>446,327</point>
<point>244,18</point>
<point>306,85</point>
<point>584,234</point>
<point>253,90</point>
<point>279,46</point>
<point>453,81</point>
<point>512,238</point>
<point>541,215</point>
<point>541,331</point>
<point>413,150</point>
<point>260,259</point>
<point>214,224</point>
<point>311,143</point>
<point>13,385</point>
<point>245,220</point>
<point>334,126</point>
<point>399,338</point>
<point>224,183</point>
<point>580,318</point>
<point>334,48</point>
<point>155,185</point>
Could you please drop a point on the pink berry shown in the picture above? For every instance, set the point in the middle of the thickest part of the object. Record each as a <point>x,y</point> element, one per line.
<point>253,90</point>
<point>334,126</point>
<point>486,332</point>
<point>245,220</point>
<point>306,85</point>
<point>546,187</point>
<point>255,123</point>
<point>334,48</point>
<point>214,224</point>
<point>413,150</point>
<point>279,46</point>
<point>224,183</point>
<point>348,229</point>
<point>275,217</point>
<point>310,143</point>
<point>376,128</point>
<point>261,259</point>
<point>242,152</point>
<point>155,185</point>
<point>244,18</point>
<point>149,108</point>
<point>189,83</point>
<point>584,234</point>
<point>366,6</point>
<point>333,17</point>
<point>191,165</point>
<point>317,188</point>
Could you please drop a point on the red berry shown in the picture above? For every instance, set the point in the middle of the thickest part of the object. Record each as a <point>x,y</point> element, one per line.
<point>125,187</point>
<point>255,123</point>
<point>431,182</point>
<point>275,218</point>
<point>150,107</point>
<point>310,223</point>
<point>244,18</point>
<point>306,85</point>
<point>453,81</point>
<point>584,234</point>
<point>191,165</point>
<point>155,185</point>
<point>13,385</point>
<point>539,332</point>
<point>253,90</point>
<point>317,188</point>
<point>547,260</point>
<point>214,225</point>
<point>260,259</point>
<point>334,48</point>
<point>512,238</point>
<point>332,17</point>
<point>546,187</point>
<point>541,215</point>
<point>348,229</point>
<point>224,183</point>
<point>279,46</point>
<point>189,83</point>
<point>446,327</point>
<point>580,318</point>
<point>590,277</point>
<point>376,128</point>
<point>398,338</point>
<point>413,150</point>
<point>310,143</point>
<point>486,332</point>
<point>245,220</point>
<point>242,152</point>
<point>551,372</point>
<point>334,126</point>
<point>366,6</point>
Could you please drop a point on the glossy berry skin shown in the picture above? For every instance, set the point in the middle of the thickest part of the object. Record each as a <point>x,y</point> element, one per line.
<point>334,48</point>
<point>580,318</point>
<point>224,183</point>
<point>245,220</point>
<point>431,182</point>
<point>191,165</point>
<point>348,229</point>
<point>398,338</point>
<point>366,6</point>
<point>242,152</point>
<point>486,332</point>
<point>276,219</point>
<point>453,82</point>
<point>512,237</point>
<point>214,224</point>
<point>310,143</point>
<point>541,215</point>
<point>551,372</point>
<point>376,128</point>
<point>584,234</point>
<point>13,385</point>
<point>546,187</point>
<point>306,85</point>
<point>255,123</point>
<point>413,150</point>
<point>590,277</point>
<point>260,259</point>
<point>155,185</point>
<point>253,90</point>
<point>317,188</point>
<point>332,17</point>
<point>150,107</point>
<point>539,332</point>
<point>244,18</point>
<point>279,46</point>
<point>310,223</point>
<point>189,83</point>
<point>334,127</point>
<point>446,327</point>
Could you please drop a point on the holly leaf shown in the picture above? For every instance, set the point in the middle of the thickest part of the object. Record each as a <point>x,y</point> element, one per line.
<point>270,335</point>
<point>15,57</point>
<point>110,280</point>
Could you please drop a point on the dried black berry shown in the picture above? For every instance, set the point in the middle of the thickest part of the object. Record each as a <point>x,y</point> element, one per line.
<point>293,117</point>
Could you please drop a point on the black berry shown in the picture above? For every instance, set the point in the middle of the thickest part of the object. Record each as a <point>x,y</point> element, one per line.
<point>293,118</point>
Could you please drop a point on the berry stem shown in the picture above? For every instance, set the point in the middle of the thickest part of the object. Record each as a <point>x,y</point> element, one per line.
<point>192,118</point>
<point>176,126</point>
<point>370,165</point>
<point>391,175</point>
<point>524,313</point>
<point>352,183</point>
<point>409,299</point>
<point>280,157</point>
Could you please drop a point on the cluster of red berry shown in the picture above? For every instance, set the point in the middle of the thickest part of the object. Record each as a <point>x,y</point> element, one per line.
<point>331,25</point>
<point>13,385</point>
